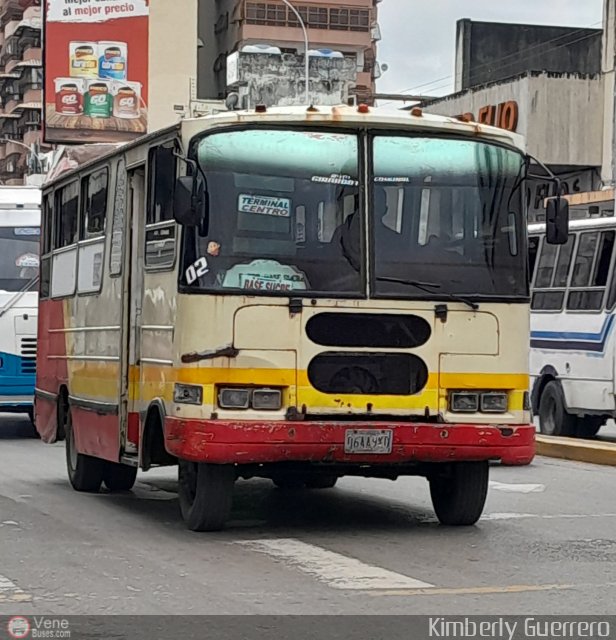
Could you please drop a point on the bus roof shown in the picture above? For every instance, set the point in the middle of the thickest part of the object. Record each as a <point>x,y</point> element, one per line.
<point>416,120</point>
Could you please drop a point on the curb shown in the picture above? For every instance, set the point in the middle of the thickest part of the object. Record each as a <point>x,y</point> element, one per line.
<point>591,451</point>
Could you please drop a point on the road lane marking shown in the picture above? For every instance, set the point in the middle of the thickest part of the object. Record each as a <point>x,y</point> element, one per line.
<point>517,488</point>
<point>546,516</point>
<point>461,591</point>
<point>505,589</point>
<point>10,592</point>
<point>334,569</point>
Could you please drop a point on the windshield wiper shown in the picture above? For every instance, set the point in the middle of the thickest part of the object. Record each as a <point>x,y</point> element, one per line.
<point>429,287</point>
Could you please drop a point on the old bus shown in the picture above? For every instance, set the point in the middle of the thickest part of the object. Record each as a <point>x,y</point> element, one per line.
<point>293,294</point>
<point>573,349</point>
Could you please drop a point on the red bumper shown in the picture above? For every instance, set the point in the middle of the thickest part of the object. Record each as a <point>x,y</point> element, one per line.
<point>245,442</point>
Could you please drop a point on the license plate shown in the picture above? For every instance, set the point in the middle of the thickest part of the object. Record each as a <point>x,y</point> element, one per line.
<point>368,441</point>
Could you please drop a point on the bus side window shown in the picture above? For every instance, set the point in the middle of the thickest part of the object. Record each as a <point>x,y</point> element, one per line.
<point>46,241</point>
<point>94,204</point>
<point>590,275</point>
<point>66,218</point>
<point>544,299</point>
<point>162,174</point>
<point>160,240</point>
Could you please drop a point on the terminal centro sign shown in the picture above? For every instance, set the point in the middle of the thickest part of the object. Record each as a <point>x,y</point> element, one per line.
<point>504,115</point>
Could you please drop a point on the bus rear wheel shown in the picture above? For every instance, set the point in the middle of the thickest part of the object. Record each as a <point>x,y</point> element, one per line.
<point>119,477</point>
<point>459,493</point>
<point>554,420</point>
<point>589,426</point>
<point>205,492</point>
<point>84,472</point>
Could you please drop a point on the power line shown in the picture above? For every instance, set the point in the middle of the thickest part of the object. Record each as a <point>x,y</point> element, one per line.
<point>498,61</point>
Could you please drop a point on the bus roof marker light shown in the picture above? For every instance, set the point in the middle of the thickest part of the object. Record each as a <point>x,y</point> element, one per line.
<point>417,112</point>
<point>260,108</point>
<point>363,108</point>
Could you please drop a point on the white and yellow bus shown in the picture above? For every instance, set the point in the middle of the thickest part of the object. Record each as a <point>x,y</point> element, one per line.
<point>297,294</point>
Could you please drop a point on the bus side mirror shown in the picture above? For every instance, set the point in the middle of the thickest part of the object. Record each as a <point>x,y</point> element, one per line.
<point>557,221</point>
<point>190,202</point>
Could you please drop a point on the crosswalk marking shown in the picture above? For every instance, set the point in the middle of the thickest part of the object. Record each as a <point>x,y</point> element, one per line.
<point>334,569</point>
<point>516,488</point>
<point>10,592</point>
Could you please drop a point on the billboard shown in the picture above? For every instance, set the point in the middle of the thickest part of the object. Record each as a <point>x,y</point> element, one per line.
<point>96,70</point>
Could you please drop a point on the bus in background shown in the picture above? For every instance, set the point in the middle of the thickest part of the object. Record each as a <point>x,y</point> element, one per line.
<point>573,342</point>
<point>20,215</point>
<point>296,294</point>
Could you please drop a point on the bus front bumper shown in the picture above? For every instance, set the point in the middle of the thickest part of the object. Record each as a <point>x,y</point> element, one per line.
<point>249,442</point>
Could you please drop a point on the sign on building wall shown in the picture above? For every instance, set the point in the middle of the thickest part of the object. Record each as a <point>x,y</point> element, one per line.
<point>96,70</point>
<point>504,115</point>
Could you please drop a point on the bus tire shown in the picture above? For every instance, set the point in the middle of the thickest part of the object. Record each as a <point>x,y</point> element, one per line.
<point>589,426</point>
<point>458,497</point>
<point>205,493</point>
<point>85,473</point>
<point>554,420</point>
<point>289,482</point>
<point>319,481</point>
<point>119,477</point>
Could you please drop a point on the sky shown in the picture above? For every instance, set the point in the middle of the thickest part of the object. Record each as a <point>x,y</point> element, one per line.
<point>418,36</point>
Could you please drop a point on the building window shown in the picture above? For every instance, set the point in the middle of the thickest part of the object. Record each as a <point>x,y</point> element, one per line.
<point>315,17</point>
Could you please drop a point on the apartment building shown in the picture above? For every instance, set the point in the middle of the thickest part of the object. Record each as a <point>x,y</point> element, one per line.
<point>347,26</point>
<point>21,85</point>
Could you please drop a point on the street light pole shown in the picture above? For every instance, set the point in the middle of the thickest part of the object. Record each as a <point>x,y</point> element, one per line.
<point>25,146</point>
<point>307,60</point>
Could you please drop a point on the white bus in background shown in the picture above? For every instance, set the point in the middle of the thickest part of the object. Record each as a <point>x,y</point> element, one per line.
<point>20,215</point>
<point>573,341</point>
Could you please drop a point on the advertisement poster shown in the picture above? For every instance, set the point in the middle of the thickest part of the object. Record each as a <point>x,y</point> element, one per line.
<point>96,70</point>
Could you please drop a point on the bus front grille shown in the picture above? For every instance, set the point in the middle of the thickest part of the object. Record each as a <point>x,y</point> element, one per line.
<point>28,355</point>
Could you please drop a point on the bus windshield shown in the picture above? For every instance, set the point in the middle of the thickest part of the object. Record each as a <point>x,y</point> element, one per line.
<point>286,215</point>
<point>19,257</point>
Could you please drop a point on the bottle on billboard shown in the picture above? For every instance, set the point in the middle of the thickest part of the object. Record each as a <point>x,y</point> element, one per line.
<point>83,59</point>
<point>112,61</point>
<point>127,99</point>
<point>99,101</point>
<point>69,96</point>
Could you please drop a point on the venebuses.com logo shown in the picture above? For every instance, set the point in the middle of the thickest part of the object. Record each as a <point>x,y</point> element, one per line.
<point>19,627</point>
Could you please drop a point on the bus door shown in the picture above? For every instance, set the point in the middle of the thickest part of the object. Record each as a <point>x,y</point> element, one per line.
<point>133,291</point>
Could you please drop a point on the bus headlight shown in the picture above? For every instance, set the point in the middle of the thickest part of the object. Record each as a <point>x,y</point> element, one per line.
<point>267,399</point>
<point>462,402</point>
<point>234,398</point>
<point>187,394</point>
<point>494,402</point>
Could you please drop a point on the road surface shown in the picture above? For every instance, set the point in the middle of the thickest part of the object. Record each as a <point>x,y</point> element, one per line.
<point>546,545</point>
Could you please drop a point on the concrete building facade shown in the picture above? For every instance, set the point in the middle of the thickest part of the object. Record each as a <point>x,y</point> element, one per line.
<point>21,85</point>
<point>227,26</point>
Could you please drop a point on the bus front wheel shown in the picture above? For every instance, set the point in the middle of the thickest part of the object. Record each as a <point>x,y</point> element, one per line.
<point>205,492</point>
<point>84,472</point>
<point>459,492</point>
